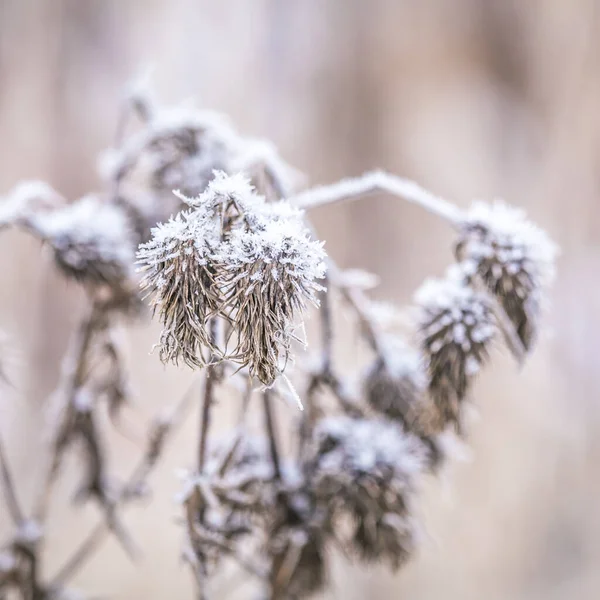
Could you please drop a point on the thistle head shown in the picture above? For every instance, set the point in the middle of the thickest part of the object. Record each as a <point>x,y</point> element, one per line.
<point>456,328</point>
<point>368,470</point>
<point>514,259</point>
<point>179,276</point>
<point>92,241</point>
<point>269,274</point>
<point>396,381</point>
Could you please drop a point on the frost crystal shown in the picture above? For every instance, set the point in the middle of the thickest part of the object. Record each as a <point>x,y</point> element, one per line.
<point>513,257</point>
<point>456,327</point>
<point>91,239</point>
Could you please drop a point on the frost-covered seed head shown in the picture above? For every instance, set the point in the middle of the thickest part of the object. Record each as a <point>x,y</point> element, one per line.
<point>179,276</point>
<point>369,469</point>
<point>513,257</point>
<point>269,274</point>
<point>92,241</point>
<point>179,149</point>
<point>456,328</point>
<point>395,383</point>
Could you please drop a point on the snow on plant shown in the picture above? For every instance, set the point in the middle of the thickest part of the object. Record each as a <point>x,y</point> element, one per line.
<point>230,266</point>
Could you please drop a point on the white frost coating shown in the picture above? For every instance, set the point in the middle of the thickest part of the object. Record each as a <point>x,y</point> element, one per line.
<point>251,153</point>
<point>517,243</point>
<point>451,305</point>
<point>25,198</point>
<point>357,279</point>
<point>89,224</point>
<point>401,360</point>
<point>369,445</point>
<point>172,239</point>
<point>225,188</point>
<point>285,246</point>
<point>377,181</point>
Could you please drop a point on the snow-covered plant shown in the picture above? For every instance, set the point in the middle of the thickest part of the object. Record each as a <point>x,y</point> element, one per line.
<point>205,226</point>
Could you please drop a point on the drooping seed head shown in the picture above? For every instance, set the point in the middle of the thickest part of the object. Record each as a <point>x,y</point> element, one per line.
<point>456,328</point>
<point>396,381</point>
<point>513,257</point>
<point>269,274</point>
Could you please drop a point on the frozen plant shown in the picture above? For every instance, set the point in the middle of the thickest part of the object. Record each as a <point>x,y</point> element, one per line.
<point>205,227</point>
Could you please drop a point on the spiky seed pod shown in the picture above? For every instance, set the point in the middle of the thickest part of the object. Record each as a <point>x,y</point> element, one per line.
<point>179,276</point>
<point>395,382</point>
<point>513,257</point>
<point>178,149</point>
<point>92,241</point>
<point>269,274</point>
<point>456,328</point>
<point>369,469</point>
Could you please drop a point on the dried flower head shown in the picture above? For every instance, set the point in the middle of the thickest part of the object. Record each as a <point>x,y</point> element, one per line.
<point>456,328</point>
<point>178,149</point>
<point>369,469</point>
<point>179,276</point>
<point>91,239</point>
<point>513,257</point>
<point>270,273</point>
<point>395,382</point>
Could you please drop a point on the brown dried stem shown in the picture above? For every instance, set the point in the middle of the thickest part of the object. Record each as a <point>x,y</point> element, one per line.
<point>163,429</point>
<point>271,433</point>
<point>75,371</point>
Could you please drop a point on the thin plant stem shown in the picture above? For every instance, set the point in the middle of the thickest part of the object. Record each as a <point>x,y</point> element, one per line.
<point>207,402</point>
<point>270,428</point>
<point>75,370</point>
<point>96,537</point>
<point>374,182</point>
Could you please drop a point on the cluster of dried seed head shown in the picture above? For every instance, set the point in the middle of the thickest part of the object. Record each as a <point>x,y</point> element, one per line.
<point>269,274</point>
<point>234,256</point>
<point>513,258</point>
<point>456,329</point>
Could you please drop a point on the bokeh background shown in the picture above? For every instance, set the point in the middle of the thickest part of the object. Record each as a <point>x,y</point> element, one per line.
<point>473,99</point>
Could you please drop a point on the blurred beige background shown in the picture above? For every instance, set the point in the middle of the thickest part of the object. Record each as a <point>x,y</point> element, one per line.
<point>472,98</point>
